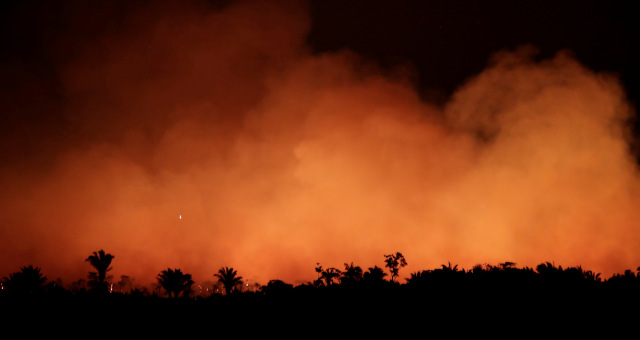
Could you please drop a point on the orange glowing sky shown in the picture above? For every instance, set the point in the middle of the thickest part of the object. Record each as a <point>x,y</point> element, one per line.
<point>277,157</point>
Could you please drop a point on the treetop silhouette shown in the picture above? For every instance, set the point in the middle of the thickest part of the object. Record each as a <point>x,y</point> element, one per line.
<point>28,281</point>
<point>394,262</point>
<point>374,273</point>
<point>101,261</point>
<point>229,279</point>
<point>351,273</point>
<point>175,282</point>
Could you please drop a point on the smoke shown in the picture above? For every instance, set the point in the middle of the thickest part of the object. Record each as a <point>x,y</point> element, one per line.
<point>196,137</point>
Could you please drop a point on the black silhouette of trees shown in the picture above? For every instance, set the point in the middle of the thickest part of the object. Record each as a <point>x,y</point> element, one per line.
<point>418,278</point>
<point>125,284</point>
<point>330,274</point>
<point>276,288</point>
<point>450,268</point>
<point>28,281</point>
<point>327,276</point>
<point>548,270</point>
<point>394,262</point>
<point>486,283</point>
<point>351,274</point>
<point>175,282</point>
<point>449,275</point>
<point>319,270</point>
<point>374,274</point>
<point>101,261</point>
<point>229,278</point>
<point>507,265</point>
<point>592,276</point>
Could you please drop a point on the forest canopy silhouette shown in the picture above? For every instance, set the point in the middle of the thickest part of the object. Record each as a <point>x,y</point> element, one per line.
<point>30,281</point>
<point>510,297</point>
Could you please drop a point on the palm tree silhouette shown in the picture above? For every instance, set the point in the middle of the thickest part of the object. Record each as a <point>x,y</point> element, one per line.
<point>175,282</point>
<point>229,279</point>
<point>592,276</point>
<point>448,268</point>
<point>374,273</point>
<point>101,262</point>
<point>29,280</point>
<point>329,275</point>
<point>351,273</point>
<point>418,278</point>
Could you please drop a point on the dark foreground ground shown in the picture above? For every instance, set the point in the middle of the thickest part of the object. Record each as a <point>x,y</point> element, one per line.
<point>510,311</point>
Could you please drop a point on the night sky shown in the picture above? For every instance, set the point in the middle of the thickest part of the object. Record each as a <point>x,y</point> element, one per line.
<point>269,136</point>
<point>450,41</point>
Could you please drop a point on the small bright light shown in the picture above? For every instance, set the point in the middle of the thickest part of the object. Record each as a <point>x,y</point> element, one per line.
<point>180,217</point>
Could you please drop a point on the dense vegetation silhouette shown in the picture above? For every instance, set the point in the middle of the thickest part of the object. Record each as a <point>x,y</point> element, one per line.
<point>229,278</point>
<point>394,262</point>
<point>28,281</point>
<point>175,282</point>
<point>501,293</point>
<point>101,261</point>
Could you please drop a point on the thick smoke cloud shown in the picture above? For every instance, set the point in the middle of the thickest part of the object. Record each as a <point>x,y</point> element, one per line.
<point>276,158</point>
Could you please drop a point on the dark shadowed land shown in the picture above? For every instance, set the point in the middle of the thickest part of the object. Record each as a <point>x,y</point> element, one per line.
<point>496,300</point>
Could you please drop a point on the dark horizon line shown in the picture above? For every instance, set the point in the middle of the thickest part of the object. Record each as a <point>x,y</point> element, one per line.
<point>501,266</point>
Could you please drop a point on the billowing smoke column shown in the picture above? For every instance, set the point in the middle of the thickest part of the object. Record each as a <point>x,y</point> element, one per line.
<point>196,138</point>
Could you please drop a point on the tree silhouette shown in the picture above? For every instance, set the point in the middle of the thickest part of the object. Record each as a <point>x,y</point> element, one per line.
<point>624,280</point>
<point>229,279</point>
<point>125,285</point>
<point>276,287</point>
<point>29,280</point>
<point>548,269</point>
<point>418,278</point>
<point>101,262</point>
<point>507,265</point>
<point>351,274</point>
<point>175,282</point>
<point>449,268</point>
<point>330,274</point>
<point>374,274</point>
<point>318,282</point>
<point>394,262</point>
<point>592,276</point>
